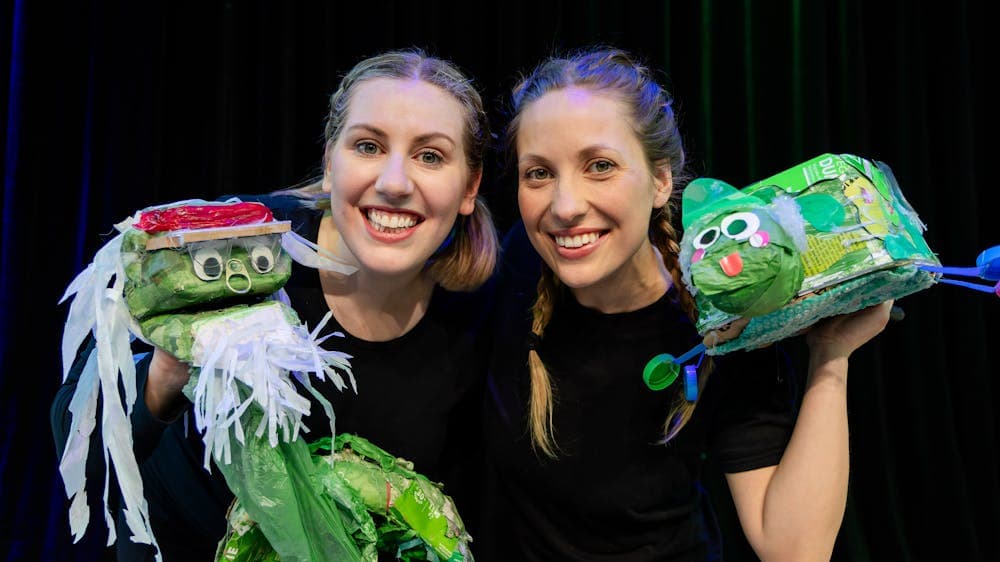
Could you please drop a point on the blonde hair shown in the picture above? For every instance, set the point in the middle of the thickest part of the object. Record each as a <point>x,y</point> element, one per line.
<point>469,260</point>
<point>616,72</point>
<point>471,257</point>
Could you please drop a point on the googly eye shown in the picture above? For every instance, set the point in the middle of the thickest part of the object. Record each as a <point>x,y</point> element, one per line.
<point>706,238</point>
<point>740,226</point>
<point>207,263</point>
<point>261,258</point>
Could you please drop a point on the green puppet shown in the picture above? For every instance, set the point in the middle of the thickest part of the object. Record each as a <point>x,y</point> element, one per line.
<point>204,281</point>
<point>829,236</point>
<point>739,257</point>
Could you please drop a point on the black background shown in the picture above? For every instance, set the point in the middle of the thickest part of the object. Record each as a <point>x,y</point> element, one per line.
<point>110,107</point>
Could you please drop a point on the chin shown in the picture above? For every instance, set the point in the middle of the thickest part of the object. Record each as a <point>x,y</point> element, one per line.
<point>576,279</point>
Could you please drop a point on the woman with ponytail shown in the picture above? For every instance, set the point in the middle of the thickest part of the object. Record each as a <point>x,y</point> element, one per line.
<point>586,462</point>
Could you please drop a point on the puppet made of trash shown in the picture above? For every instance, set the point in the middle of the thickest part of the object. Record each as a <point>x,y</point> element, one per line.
<point>830,236</point>
<point>204,281</point>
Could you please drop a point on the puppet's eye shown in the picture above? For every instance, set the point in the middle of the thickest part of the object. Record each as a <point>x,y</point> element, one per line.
<point>261,258</point>
<point>207,263</point>
<point>706,238</point>
<point>740,226</point>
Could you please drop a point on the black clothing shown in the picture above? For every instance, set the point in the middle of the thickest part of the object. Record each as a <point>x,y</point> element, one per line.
<point>417,397</point>
<point>614,492</point>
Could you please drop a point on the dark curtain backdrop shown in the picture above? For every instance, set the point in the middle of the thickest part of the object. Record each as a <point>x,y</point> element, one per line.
<point>110,107</point>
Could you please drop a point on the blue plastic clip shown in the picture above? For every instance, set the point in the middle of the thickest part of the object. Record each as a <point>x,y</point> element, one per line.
<point>690,383</point>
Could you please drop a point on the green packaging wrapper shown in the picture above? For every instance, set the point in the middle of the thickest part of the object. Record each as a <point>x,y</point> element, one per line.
<point>829,236</point>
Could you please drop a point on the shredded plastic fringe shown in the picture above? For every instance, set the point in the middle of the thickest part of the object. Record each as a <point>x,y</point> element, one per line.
<point>251,359</point>
<point>99,307</point>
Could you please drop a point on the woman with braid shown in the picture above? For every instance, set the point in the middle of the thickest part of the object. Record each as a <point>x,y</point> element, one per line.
<point>585,461</point>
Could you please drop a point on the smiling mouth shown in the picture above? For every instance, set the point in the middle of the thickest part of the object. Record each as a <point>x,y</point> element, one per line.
<point>391,222</point>
<point>577,241</point>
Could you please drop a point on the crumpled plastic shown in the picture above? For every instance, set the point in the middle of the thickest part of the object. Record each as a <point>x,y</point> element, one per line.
<point>226,366</point>
<point>383,503</point>
<point>834,231</point>
<point>207,215</point>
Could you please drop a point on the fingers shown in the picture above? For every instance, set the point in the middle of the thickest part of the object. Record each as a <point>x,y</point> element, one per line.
<point>164,384</point>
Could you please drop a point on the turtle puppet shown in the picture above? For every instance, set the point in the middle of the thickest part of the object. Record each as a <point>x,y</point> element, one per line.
<point>829,236</point>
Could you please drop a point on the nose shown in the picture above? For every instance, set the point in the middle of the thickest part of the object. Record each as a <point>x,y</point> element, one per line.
<point>393,181</point>
<point>568,203</point>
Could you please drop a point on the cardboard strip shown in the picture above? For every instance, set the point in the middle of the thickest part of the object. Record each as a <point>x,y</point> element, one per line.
<point>180,238</point>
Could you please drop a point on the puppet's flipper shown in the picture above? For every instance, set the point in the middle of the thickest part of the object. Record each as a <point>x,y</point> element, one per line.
<point>987,268</point>
<point>383,503</point>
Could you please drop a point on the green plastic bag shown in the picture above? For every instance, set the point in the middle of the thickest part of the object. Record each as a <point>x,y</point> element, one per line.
<point>383,503</point>
<point>279,490</point>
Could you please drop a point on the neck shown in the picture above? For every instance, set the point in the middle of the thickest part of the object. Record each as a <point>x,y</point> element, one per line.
<point>370,306</point>
<point>638,283</point>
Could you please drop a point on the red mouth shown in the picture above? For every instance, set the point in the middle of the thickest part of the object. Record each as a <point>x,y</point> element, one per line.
<point>390,225</point>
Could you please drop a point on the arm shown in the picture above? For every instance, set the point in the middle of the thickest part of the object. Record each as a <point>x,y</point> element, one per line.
<point>156,374</point>
<point>793,511</point>
<point>167,377</point>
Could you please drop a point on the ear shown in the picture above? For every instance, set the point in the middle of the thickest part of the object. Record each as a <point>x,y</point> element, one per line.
<point>663,182</point>
<point>469,198</point>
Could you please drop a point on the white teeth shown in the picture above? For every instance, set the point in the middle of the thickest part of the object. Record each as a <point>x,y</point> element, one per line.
<point>383,221</point>
<point>577,241</point>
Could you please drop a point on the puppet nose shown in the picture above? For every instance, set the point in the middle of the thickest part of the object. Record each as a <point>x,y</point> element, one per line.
<point>732,264</point>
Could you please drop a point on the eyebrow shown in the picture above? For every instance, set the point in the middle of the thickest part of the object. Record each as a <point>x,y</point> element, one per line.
<point>421,139</point>
<point>595,150</point>
<point>533,159</point>
<point>583,154</point>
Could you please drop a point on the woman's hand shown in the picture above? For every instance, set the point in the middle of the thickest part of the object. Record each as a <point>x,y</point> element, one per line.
<point>837,337</point>
<point>167,377</point>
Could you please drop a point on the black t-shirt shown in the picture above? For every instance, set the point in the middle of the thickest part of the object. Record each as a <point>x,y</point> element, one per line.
<point>417,397</point>
<point>614,492</point>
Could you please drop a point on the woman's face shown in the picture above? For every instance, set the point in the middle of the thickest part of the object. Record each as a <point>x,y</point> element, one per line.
<point>585,190</point>
<point>397,174</point>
